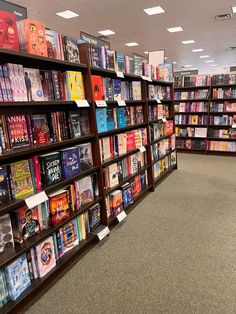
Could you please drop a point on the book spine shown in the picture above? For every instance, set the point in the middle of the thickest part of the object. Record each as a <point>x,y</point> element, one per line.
<point>35,272</point>
<point>6,133</point>
<point>30,131</point>
<point>32,172</point>
<point>30,266</point>
<point>36,166</point>
<point>55,246</point>
<point>59,244</point>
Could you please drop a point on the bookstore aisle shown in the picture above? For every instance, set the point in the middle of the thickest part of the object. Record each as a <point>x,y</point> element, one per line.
<point>175,253</point>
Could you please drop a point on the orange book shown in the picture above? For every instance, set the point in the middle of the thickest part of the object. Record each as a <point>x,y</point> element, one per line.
<point>59,206</point>
<point>32,37</point>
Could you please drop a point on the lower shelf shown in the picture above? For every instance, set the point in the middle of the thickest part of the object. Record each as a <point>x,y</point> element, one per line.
<point>158,180</point>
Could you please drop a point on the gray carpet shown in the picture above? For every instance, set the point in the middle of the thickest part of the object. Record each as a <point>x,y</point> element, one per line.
<point>175,254</point>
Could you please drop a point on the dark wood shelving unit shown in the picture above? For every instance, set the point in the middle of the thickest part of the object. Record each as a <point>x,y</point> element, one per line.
<point>192,100</point>
<point>158,180</point>
<point>186,88</point>
<point>163,101</point>
<point>192,113</point>
<point>161,138</point>
<point>39,286</point>
<point>192,125</point>
<point>162,157</point>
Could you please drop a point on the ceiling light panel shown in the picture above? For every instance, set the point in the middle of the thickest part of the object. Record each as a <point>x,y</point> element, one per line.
<point>197,50</point>
<point>106,32</point>
<point>67,14</point>
<point>175,29</point>
<point>132,44</point>
<point>154,10</point>
<point>234,9</point>
<point>186,42</point>
<point>146,52</point>
<point>187,65</point>
<point>206,56</point>
<point>209,61</point>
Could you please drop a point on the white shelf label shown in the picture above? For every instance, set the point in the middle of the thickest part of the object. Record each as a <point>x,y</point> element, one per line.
<point>121,216</point>
<point>120,74</point>
<point>82,103</point>
<point>103,233</point>
<point>144,77</point>
<point>158,101</point>
<point>121,103</point>
<point>233,126</point>
<point>149,79</point>
<point>163,119</point>
<point>142,149</point>
<point>36,199</point>
<point>101,103</point>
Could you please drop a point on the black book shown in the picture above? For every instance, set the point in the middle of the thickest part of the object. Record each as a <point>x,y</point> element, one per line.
<point>51,170</point>
<point>70,49</point>
<point>5,191</point>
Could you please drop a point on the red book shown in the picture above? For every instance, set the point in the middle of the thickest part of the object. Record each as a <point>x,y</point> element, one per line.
<point>97,86</point>
<point>59,206</point>
<point>8,31</point>
<point>138,184</point>
<point>18,131</point>
<point>169,127</point>
<point>131,141</point>
<point>41,129</point>
<point>38,181</point>
<point>111,146</point>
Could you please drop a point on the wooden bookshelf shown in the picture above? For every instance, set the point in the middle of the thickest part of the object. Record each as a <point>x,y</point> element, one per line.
<point>39,286</point>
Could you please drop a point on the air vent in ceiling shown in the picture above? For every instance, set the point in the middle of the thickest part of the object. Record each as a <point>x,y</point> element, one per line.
<point>223,17</point>
<point>232,48</point>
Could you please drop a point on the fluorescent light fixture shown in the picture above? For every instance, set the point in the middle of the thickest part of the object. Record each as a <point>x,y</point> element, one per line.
<point>175,29</point>
<point>174,62</point>
<point>197,50</point>
<point>132,44</point>
<point>106,32</point>
<point>214,65</point>
<point>206,56</point>
<point>188,65</point>
<point>166,58</point>
<point>186,42</point>
<point>154,10</point>
<point>209,61</point>
<point>67,14</point>
<point>146,52</point>
<point>234,9</point>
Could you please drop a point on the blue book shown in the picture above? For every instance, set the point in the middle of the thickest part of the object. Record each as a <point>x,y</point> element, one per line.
<point>70,162</point>
<point>117,89</point>
<point>69,236</point>
<point>101,118</point>
<point>120,60</point>
<point>110,119</point>
<point>17,277</point>
<point>121,119</point>
<point>108,88</point>
<point>127,194</point>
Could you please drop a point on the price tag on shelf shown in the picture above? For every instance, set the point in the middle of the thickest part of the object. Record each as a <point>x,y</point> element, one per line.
<point>101,103</point>
<point>36,199</point>
<point>233,126</point>
<point>120,74</point>
<point>83,103</point>
<point>163,119</point>
<point>121,216</point>
<point>142,149</point>
<point>103,233</point>
<point>145,78</point>
<point>149,79</point>
<point>121,103</point>
<point>158,101</point>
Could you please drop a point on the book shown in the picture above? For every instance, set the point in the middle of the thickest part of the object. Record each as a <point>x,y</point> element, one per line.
<point>21,180</point>
<point>59,206</point>
<point>101,118</point>
<point>5,190</point>
<point>6,235</point>
<point>74,85</point>
<point>117,89</point>
<point>70,162</point>
<point>85,156</point>
<point>51,170</point>
<point>69,236</point>
<point>70,49</point>
<point>33,85</point>
<point>112,175</point>
<point>74,124</point>
<point>121,119</point>
<point>40,129</point>
<point>94,215</point>
<point>110,119</point>
<point>4,297</point>
<point>45,257</point>
<point>18,131</point>
<point>116,202</point>
<point>84,190</point>
<point>120,61</point>
<point>17,277</point>
<point>126,195</point>
<point>139,114</point>
<point>97,87</point>
<point>8,31</point>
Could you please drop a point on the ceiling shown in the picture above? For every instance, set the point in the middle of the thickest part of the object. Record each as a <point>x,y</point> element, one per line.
<point>127,19</point>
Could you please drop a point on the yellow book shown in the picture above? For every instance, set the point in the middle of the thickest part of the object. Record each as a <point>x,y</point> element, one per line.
<point>75,85</point>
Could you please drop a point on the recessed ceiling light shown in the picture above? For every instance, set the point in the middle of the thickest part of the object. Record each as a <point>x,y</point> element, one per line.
<point>146,52</point>
<point>106,32</point>
<point>197,50</point>
<point>213,65</point>
<point>175,29</point>
<point>187,65</point>
<point>67,14</point>
<point>234,9</point>
<point>206,56</point>
<point>154,10</point>
<point>174,62</point>
<point>209,61</point>
<point>132,44</point>
<point>166,58</point>
<point>186,42</point>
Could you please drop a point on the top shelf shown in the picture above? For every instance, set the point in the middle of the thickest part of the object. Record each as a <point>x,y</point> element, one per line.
<point>31,60</point>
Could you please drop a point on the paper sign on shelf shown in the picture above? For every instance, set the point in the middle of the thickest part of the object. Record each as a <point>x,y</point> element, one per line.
<point>101,103</point>
<point>121,216</point>
<point>103,233</point>
<point>144,77</point>
<point>158,101</point>
<point>233,126</point>
<point>36,199</point>
<point>82,103</point>
<point>163,119</point>
<point>121,103</point>
<point>142,149</point>
<point>149,79</point>
<point>120,74</point>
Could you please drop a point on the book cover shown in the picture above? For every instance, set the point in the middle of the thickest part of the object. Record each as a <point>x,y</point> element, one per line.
<point>6,235</point>
<point>4,297</point>
<point>85,156</point>
<point>8,31</point>
<point>120,61</point>
<point>59,206</point>
<point>45,256</point>
<point>111,60</point>
<point>75,85</point>
<point>122,143</point>
<point>116,202</point>
<point>51,171</point>
<point>25,223</point>
<point>110,119</point>
<point>126,195</point>
<point>70,162</point>
<point>18,131</point>
<point>97,87</point>
<point>33,85</point>
<point>74,124</point>
<point>134,163</point>
<point>139,114</point>
<point>94,215</point>
<point>17,277</point>
<point>169,127</point>
<point>106,148</point>
<point>40,127</point>
<point>108,88</point>
<point>70,49</point>
<point>69,236</point>
<point>56,85</point>
<point>101,118</point>
<point>121,119</point>
<point>47,85</point>
<point>21,180</point>
<point>5,191</point>
<point>117,89</point>
<point>84,121</point>
<point>113,175</point>
<point>84,190</point>
<point>131,141</point>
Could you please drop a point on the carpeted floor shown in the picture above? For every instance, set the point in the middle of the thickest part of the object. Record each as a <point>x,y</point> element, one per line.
<point>175,253</point>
